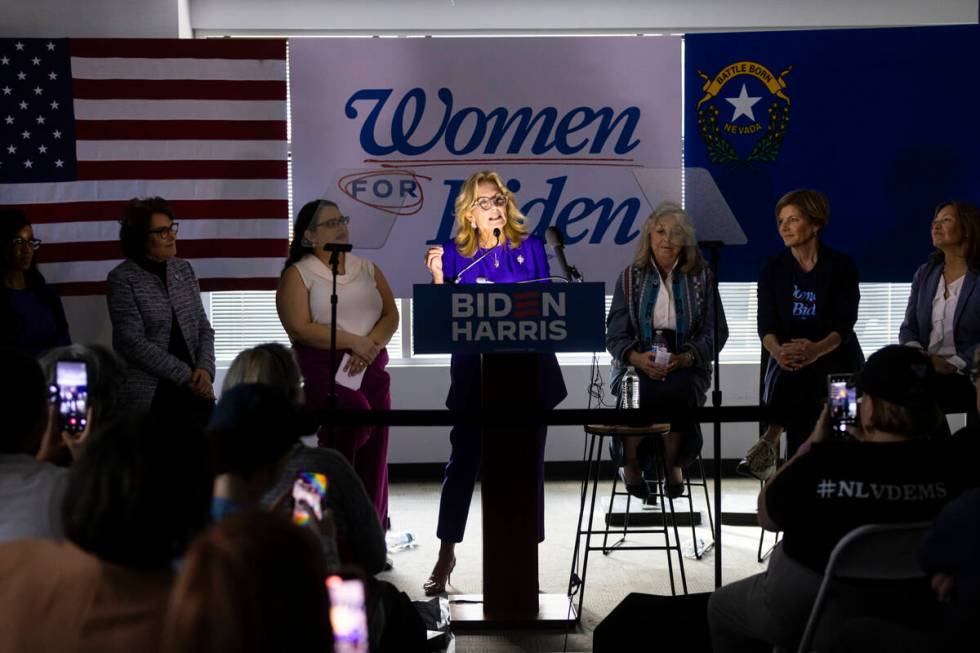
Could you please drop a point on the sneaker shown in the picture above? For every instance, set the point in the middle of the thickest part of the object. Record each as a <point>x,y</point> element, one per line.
<point>759,461</point>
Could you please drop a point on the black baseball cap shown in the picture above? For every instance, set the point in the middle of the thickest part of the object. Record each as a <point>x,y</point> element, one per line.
<point>898,374</point>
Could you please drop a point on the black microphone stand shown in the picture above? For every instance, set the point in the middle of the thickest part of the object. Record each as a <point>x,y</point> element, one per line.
<point>335,250</point>
<point>714,255</point>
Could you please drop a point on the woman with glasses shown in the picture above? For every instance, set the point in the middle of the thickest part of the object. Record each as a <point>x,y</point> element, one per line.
<point>491,244</point>
<point>943,314</point>
<point>31,315</point>
<point>366,319</point>
<point>158,321</point>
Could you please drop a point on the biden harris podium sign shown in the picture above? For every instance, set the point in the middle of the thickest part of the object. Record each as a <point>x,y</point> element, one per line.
<point>538,317</point>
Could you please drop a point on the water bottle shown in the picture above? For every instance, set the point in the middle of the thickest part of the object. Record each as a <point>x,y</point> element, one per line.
<point>661,351</point>
<point>630,388</point>
<point>400,541</point>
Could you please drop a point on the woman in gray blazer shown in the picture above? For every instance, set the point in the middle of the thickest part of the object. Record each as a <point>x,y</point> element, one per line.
<point>943,313</point>
<point>158,321</point>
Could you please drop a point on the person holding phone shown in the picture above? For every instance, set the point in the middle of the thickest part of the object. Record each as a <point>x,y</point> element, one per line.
<point>491,244</point>
<point>889,471</point>
<point>159,325</point>
<point>367,317</point>
<point>942,318</point>
<point>808,299</point>
<point>32,317</point>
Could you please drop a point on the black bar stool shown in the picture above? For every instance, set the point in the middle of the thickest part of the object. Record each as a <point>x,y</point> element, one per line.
<point>597,434</point>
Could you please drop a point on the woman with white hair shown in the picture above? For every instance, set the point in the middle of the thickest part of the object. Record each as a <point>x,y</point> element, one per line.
<point>667,292</point>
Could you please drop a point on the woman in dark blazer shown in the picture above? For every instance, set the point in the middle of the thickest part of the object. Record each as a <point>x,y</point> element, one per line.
<point>158,321</point>
<point>808,303</point>
<point>943,313</point>
<point>31,315</point>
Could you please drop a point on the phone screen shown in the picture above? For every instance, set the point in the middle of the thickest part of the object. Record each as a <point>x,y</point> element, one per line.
<point>71,394</point>
<point>347,616</point>
<point>842,398</point>
<point>310,489</point>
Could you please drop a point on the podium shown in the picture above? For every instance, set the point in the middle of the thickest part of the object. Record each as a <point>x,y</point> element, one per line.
<point>508,325</point>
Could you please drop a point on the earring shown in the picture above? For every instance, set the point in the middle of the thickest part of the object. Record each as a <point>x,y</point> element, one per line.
<point>305,242</point>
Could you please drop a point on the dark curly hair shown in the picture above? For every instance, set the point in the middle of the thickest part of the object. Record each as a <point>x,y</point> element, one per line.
<point>297,249</point>
<point>134,224</point>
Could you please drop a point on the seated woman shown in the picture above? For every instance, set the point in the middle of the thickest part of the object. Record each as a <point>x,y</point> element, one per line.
<point>808,304</point>
<point>667,290</point>
<point>366,319</point>
<point>892,473</point>
<point>943,314</point>
<point>31,315</point>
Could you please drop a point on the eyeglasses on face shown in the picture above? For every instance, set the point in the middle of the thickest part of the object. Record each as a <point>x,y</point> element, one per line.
<point>163,232</point>
<point>486,203</point>
<point>333,223</point>
<point>32,243</point>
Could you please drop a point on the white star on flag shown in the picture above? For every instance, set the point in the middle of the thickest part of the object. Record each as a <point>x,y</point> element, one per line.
<point>57,133</point>
<point>743,105</point>
<point>9,120</point>
<point>36,61</point>
<point>55,105</point>
<point>22,105</point>
<point>40,120</point>
<point>28,164</point>
<point>22,75</point>
<point>19,45</point>
<point>50,46</point>
<point>5,61</point>
<point>43,149</point>
<point>59,163</point>
<point>25,134</point>
<point>12,149</point>
<point>7,90</point>
<point>52,75</point>
<point>38,90</point>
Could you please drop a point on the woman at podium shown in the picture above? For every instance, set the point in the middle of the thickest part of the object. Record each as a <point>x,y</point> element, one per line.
<point>665,299</point>
<point>491,246</point>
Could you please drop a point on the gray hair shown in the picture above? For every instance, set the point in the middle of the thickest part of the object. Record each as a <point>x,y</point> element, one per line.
<point>690,258</point>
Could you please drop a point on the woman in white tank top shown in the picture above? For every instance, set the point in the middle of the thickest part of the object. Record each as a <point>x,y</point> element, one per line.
<point>366,319</point>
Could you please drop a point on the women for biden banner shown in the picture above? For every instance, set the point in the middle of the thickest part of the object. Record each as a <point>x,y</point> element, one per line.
<point>390,129</point>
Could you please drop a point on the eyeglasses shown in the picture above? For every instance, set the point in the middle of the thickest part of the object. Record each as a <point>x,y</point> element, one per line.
<point>486,203</point>
<point>32,243</point>
<point>333,223</point>
<point>163,232</point>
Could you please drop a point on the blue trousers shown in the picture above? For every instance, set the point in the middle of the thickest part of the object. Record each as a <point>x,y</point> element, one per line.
<point>460,478</point>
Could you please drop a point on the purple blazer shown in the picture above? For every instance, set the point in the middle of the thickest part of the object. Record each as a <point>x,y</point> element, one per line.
<point>525,262</point>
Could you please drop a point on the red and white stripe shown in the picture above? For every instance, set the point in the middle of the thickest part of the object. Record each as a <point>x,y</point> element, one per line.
<point>201,123</point>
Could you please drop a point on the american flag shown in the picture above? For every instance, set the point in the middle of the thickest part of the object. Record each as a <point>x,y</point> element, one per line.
<point>87,124</point>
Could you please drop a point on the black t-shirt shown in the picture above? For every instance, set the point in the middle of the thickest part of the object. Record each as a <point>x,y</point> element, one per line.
<point>838,486</point>
<point>805,307</point>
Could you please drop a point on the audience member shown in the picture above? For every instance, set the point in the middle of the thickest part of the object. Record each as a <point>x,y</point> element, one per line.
<point>31,315</point>
<point>254,582</point>
<point>158,321</point>
<point>359,535</point>
<point>105,372</point>
<point>134,501</point>
<point>829,487</point>
<point>943,314</point>
<point>30,490</point>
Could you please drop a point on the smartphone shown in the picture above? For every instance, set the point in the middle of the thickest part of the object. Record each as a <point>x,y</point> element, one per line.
<point>842,401</point>
<point>70,393</point>
<point>348,618</point>
<point>309,489</point>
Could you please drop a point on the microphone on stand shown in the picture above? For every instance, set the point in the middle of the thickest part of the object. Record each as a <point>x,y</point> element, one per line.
<point>335,250</point>
<point>553,237</point>
<point>496,236</point>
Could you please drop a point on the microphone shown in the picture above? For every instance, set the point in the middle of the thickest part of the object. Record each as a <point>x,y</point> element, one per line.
<point>496,236</point>
<point>553,237</point>
<point>337,247</point>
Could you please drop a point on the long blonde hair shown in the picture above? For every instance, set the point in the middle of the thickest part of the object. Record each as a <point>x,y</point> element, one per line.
<point>467,237</point>
<point>690,259</point>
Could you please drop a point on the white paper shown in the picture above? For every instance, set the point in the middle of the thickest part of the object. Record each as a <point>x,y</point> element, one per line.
<point>344,379</point>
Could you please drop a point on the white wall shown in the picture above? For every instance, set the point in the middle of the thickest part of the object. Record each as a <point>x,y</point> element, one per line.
<point>89,18</point>
<point>520,16</point>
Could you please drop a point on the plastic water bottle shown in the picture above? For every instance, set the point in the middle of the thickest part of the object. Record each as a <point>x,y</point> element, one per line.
<point>400,541</point>
<point>630,388</point>
<point>661,351</point>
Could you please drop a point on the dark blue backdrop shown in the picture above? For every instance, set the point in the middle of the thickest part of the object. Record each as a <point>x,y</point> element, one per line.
<point>883,121</point>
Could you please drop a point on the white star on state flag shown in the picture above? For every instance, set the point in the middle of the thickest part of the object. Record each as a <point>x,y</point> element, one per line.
<point>743,105</point>
<point>59,163</point>
<point>43,149</point>
<point>28,164</point>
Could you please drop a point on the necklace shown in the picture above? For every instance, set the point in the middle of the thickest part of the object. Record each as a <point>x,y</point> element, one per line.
<point>496,260</point>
